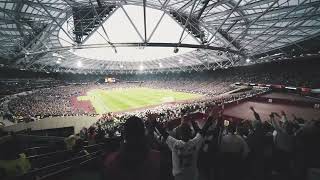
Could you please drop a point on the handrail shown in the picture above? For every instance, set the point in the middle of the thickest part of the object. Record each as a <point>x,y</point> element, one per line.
<point>57,138</point>
<point>65,169</point>
<point>47,154</point>
<point>61,151</point>
<point>54,173</point>
<point>40,147</point>
<point>36,147</point>
<point>58,164</point>
<point>5,138</point>
<point>64,162</point>
<point>92,145</point>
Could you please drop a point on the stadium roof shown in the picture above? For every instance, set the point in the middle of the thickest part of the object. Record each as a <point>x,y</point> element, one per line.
<point>128,36</point>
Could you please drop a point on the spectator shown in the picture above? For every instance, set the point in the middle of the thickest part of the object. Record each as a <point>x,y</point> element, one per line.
<point>283,141</point>
<point>257,144</point>
<point>71,141</point>
<point>233,153</point>
<point>185,150</point>
<point>84,133</point>
<point>92,135</point>
<point>135,160</point>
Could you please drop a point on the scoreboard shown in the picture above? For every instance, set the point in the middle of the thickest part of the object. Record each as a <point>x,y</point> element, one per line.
<point>110,80</point>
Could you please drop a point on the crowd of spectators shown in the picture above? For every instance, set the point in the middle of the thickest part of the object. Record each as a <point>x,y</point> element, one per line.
<point>212,147</point>
<point>56,101</point>
<point>13,86</point>
<point>110,124</point>
<point>280,147</point>
<point>46,102</point>
<point>295,73</point>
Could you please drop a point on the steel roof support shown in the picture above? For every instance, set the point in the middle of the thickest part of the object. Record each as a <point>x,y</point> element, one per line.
<point>225,41</point>
<point>53,18</point>
<point>188,19</point>
<point>211,6</point>
<point>168,13</point>
<point>101,25</point>
<point>265,34</point>
<point>195,46</point>
<point>252,22</point>
<point>281,9</point>
<point>164,4</point>
<point>102,22</point>
<point>16,21</point>
<point>203,8</point>
<point>131,22</point>
<point>145,20</point>
<point>300,23</point>
<point>185,6</point>
<point>233,9</point>
<point>155,28</point>
<point>46,31</point>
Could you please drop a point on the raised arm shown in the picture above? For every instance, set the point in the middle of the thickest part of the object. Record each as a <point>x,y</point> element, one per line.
<point>212,116</point>
<point>162,131</point>
<point>284,116</point>
<point>195,126</point>
<point>206,126</point>
<point>152,118</point>
<point>256,115</point>
<point>274,122</point>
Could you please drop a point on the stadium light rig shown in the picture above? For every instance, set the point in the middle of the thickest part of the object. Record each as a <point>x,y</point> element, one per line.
<point>71,50</point>
<point>79,64</point>
<point>58,61</point>
<point>175,50</point>
<point>141,68</point>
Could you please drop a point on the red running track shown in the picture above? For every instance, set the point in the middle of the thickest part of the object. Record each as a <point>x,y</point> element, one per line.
<point>264,109</point>
<point>86,106</point>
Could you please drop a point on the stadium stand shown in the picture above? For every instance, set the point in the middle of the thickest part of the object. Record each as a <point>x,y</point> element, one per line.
<point>56,101</point>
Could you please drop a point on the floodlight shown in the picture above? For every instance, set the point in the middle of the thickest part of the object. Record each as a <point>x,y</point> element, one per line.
<point>79,64</point>
<point>175,50</point>
<point>141,68</point>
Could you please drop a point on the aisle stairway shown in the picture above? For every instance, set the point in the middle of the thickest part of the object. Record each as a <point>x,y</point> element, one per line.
<point>49,161</point>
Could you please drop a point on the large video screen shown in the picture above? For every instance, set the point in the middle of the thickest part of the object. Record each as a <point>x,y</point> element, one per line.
<point>109,80</point>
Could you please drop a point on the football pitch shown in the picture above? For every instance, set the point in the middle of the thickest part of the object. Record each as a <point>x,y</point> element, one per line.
<point>123,99</point>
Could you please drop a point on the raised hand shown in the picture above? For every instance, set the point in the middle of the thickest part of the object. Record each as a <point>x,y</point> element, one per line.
<point>183,120</point>
<point>152,116</point>
<point>271,115</point>
<point>276,114</point>
<point>211,112</point>
<point>215,115</point>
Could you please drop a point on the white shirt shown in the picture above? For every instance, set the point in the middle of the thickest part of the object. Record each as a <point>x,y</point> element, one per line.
<point>185,155</point>
<point>234,143</point>
<point>282,139</point>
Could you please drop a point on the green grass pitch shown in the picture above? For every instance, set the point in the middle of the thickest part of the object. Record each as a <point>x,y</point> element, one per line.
<point>130,98</point>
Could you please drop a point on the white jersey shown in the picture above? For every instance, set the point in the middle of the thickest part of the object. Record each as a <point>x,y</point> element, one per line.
<point>185,156</point>
<point>234,143</point>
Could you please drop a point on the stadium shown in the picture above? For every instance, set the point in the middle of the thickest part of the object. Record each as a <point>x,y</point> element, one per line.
<point>160,89</point>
